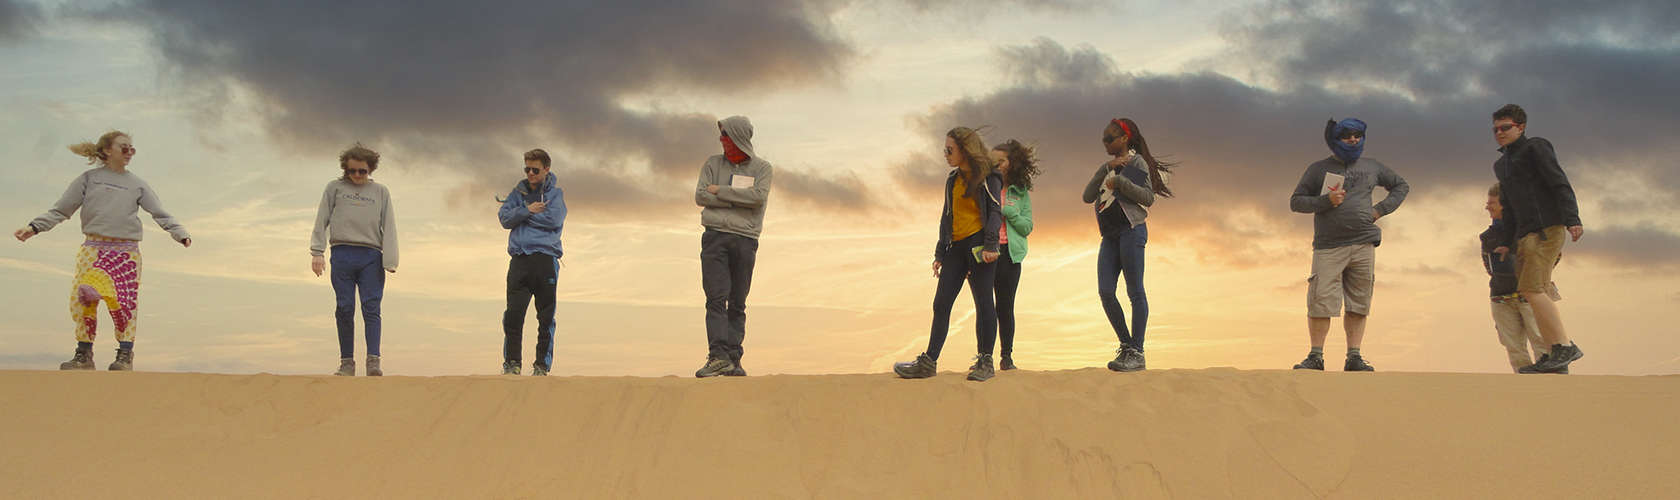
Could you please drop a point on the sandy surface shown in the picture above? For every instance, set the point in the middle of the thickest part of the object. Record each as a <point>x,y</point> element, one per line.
<point>1216,433</point>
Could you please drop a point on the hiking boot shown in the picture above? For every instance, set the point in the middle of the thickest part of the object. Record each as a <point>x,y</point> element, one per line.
<point>1120,357</point>
<point>538,371</point>
<point>922,367</point>
<point>82,360</point>
<point>1313,362</point>
<point>1133,363</point>
<point>1556,361</point>
<point>124,362</point>
<point>982,369</point>
<point>738,371</point>
<point>346,368</point>
<point>715,366</point>
<point>1355,363</point>
<point>1006,363</point>
<point>510,367</point>
<point>373,367</point>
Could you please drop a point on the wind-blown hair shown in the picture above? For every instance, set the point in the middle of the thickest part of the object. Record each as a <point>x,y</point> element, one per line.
<point>95,152</point>
<point>1157,181</point>
<point>359,153</point>
<point>1023,164</point>
<point>974,150</point>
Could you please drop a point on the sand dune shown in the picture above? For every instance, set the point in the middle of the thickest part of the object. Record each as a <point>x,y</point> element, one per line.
<point>1217,433</point>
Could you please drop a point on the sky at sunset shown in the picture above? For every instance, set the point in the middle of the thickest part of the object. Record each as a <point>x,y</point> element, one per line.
<point>239,110</point>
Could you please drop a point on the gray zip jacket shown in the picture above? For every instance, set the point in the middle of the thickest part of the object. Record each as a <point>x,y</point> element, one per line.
<point>1350,223</point>
<point>737,210</point>
<point>356,215</point>
<point>1133,195</point>
<point>110,203</point>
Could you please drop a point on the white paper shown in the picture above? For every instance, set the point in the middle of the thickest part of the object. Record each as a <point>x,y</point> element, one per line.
<point>1331,181</point>
<point>741,181</point>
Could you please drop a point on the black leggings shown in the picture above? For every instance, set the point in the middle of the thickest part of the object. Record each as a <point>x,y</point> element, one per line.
<point>956,266</point>
<point>1008,280</point>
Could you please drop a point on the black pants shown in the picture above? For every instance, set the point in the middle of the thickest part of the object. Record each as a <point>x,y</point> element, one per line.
<point>528,276</point>
<point>955,266</point>
<point>726,267</point>
<point>1008,280</point>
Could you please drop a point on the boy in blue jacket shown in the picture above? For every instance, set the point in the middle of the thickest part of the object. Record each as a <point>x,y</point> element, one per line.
<point>533,213</point>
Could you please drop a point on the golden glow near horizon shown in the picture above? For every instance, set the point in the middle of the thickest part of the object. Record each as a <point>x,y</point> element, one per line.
<point>835,291</point>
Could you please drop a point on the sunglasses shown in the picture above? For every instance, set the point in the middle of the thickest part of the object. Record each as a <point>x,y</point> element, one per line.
<point>357,171</point>
<point>1110,138</point>
<point>128,149</point>
<point>1504,128</point>
<point>1352,134</point>
<point>532,170</point>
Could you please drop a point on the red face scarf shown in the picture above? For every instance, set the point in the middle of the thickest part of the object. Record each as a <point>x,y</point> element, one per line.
<point>734,154</point>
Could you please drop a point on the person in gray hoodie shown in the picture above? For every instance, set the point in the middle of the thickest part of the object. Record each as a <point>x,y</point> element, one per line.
<point>357,219</point>
<point>733,190</point>
<point>1338,192</point>
<point>533,213</point>
<point>108,264</point>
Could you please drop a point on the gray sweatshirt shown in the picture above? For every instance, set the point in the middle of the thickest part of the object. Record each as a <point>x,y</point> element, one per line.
<point>738,210</point>
<point>110,204</point>
<point>356,215</point>
<point>1350,223</point>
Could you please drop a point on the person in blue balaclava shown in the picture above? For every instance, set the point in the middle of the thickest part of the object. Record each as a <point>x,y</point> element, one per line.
<point>1337,191</point>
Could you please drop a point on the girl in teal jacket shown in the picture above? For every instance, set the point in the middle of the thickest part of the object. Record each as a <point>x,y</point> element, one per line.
<point>1018,166</point>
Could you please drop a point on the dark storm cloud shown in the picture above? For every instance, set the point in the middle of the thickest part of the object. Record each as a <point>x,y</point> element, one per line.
<point>1597,81</point>
<point>1641,247</point>
<point>465,86</point>
<point>18,20</point>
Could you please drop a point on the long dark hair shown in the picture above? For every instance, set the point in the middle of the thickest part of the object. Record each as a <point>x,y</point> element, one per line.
<point>1023,165</point>
<point>974,150</point>
<point>1137,143</point>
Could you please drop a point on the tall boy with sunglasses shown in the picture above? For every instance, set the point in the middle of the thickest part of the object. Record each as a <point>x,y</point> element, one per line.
<point>1540,208</point>
<point>356,218</point>
<point>533,214</point>
<point>1337,191</point>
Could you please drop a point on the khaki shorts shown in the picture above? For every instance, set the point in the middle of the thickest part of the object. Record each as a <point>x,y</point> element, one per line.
<point>1343,273</point>
<point>1541,250</point>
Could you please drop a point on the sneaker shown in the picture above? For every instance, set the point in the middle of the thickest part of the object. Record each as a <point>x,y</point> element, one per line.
<point>1556,361</point>
<point>982,369</point>
<point>922,367</point>
<point>1006,363</point>
<point>1120,356</point>
<point>124,362</point>
<point>82,360</point>
<point>738,371</point>
<point>1355,363</point>
<point>346,368</point>
<point>510,367</point>
<point>539,371</point>
<point>1528,370</point>
<point>373,369</point>
<point>714,366</point>
<point>1313,362</point>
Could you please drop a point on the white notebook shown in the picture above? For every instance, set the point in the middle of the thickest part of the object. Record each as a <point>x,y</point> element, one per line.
<point>741,181</point>
<point>1331,181</point>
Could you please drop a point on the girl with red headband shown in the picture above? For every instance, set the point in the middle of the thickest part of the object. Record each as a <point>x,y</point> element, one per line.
<point>1121,191</point>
